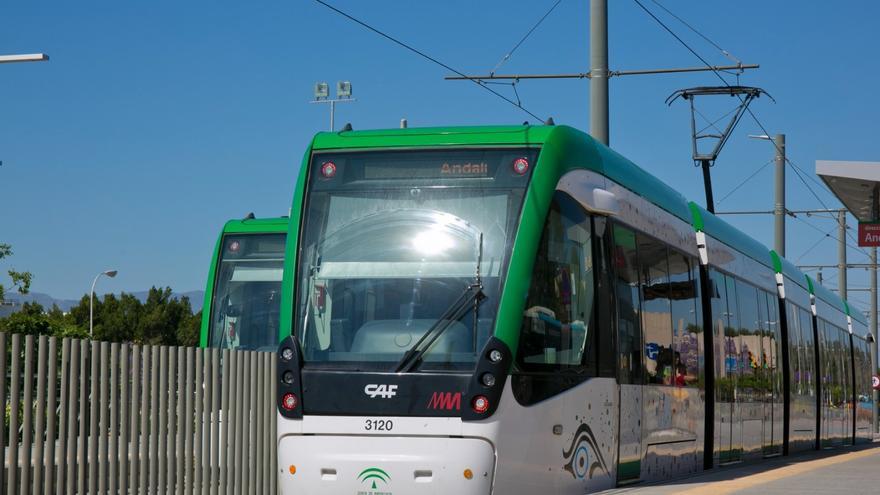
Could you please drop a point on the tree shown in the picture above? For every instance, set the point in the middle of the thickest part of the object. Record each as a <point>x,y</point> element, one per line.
<point>20,280</point>
<point>30,320</point>
<point>161,319</point>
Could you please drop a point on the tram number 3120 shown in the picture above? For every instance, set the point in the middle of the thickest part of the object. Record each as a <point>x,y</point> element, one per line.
<point>378,425</point>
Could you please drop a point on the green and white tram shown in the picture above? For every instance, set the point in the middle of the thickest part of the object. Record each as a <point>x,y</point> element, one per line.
<point>243,293</point>
<point>522,310</point>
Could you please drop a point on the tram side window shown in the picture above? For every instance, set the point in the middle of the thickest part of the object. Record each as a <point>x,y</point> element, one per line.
<point>796,349</point>
<point>625,260</point>
<point>683,290</point>
<point>809,370</point>
<point>773,339</point>
<point>848,366</point>
<point>750,338</point>
<point>717,291</point>
<point>656,310</point>
<point>863,371</point>
<point>559,309</point>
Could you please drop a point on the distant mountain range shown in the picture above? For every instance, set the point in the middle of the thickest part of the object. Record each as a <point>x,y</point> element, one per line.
<point>196,297</point>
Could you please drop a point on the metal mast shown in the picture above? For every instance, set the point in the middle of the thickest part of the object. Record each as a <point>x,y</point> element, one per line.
<point>599,70</point>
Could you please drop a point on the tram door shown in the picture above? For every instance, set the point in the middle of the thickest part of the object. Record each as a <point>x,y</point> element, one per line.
<point>629,355</point>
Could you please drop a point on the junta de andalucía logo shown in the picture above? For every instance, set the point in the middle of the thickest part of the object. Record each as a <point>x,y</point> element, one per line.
<point>376,479</point>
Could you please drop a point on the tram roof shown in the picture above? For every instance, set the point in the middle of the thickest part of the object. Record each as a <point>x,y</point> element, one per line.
<point>256,225</point>
<point>434,136</point>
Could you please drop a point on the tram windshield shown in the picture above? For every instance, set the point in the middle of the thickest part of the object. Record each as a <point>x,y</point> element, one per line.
<point>390,243</point>
<point>246,304</point>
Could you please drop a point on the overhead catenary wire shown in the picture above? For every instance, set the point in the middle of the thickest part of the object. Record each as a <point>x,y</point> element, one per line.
<point>817,229</point>
<point>724,81</point>
<point>683,43</point>
<point>426,56</point>
<point>798,171</point>
<point>821,186</point>
<point>750,177</point>
<point>712,123</point>
<point>698,33</point>
<point>509,54</point>
<point>815,244</point>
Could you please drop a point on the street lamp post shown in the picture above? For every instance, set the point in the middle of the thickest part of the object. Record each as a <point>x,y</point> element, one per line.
<point>109,273</point>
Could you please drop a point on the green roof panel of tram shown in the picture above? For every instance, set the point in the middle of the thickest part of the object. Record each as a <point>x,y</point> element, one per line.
<point>728,234</point>
<point>859,317</point>
<point>432,136</point>
<point>832,299</point>
<point>256,225</point>
<point>792,272</point>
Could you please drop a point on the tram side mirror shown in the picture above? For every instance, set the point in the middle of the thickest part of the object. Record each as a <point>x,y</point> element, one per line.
<point>584,188</point>
<point>604,202</point>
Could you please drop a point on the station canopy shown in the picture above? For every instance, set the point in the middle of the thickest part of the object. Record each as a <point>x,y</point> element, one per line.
<point>856,185</point>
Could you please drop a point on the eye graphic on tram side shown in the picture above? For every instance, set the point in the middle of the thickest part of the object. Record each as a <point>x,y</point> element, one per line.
<point>583,456</point>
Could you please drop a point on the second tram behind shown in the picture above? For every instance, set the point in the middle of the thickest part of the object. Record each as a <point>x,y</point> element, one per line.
<point>243,293</point>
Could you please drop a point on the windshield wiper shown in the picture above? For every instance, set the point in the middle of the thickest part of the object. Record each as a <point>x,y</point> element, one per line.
<point>473,293</point>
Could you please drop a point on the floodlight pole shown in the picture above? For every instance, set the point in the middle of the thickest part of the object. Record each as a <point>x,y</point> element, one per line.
<point>599,70</point>
<point>333,103</point>
<point>332,114</point>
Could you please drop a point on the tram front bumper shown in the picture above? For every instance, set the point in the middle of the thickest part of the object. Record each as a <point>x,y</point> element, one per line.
<point>380,465</point>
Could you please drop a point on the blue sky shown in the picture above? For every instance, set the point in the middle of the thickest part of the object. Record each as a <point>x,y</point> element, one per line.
<point>155,122</point>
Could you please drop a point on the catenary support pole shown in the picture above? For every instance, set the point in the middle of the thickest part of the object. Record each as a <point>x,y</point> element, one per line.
<point>599,70</point>
<point>841,252</point>
<point>779,206</point>
<point>873,323</point>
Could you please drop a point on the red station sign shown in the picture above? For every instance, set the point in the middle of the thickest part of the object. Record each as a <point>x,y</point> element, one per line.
<point>869,234</point>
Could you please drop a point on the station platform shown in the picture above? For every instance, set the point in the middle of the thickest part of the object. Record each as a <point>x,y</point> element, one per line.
<point>852,471</point>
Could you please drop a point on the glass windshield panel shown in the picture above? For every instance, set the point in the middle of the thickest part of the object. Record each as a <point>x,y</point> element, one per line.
<point>246,304</point>
<point>391,240</point>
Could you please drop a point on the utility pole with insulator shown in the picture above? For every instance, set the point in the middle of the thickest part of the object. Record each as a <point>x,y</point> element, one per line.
<point>779,210</point>
<point>599,71</point>
<point>779,206</point>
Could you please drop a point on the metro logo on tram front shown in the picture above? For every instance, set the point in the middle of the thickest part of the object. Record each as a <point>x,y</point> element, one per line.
<point>384,391</point>
<point>445,400</point>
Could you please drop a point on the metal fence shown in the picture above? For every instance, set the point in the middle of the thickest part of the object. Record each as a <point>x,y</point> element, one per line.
<point>91,417</point>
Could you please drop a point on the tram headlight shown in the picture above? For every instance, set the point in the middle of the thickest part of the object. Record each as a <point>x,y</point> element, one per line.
<point>488,379</point>
<point>495,356</point>
<point>287,377</point>
<point>287,354</point>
